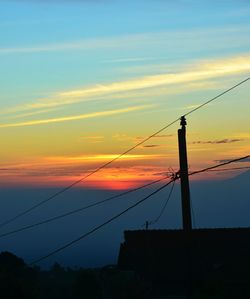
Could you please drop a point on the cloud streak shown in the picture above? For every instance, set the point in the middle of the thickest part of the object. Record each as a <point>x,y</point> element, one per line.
<point>205,71</point>
<point>201,72</point>
<point>222,141</point>
<point>74,117</point>
<point>103,157</point>
<point>151,145</point>
<point>84,44</point>
<point>162,38</point>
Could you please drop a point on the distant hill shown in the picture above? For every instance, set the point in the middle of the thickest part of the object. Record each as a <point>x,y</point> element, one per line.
<point>243,178</point>
<point>223,203</point>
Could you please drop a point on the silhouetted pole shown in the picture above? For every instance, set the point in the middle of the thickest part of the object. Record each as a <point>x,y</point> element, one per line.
<point>185,192</point>
<point>185,200</point>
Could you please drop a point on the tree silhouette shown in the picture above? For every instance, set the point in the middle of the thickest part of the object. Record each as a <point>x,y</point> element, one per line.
<point>16,279</point>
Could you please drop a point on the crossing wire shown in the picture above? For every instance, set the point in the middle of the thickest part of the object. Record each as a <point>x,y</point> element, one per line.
<point>216,97</point>
<point>101,225</point>
<point>106,200</point>
<point>24,228</point>
<point>152,222</point>
<point>81,209</point>
<point>232,168</point>
<point>221,164</point>
<point>119,156</point>
<point>130,208</point>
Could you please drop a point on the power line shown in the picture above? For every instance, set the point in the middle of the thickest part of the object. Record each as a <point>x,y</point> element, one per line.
<point>40,203</point>
<point>118,157</point>
<point>192,208</point>
<point>219,165</point>
<point>80,209</point>
<point>83,178</point>
<point>218,96</point>
<point>231,169</point>
<point>101,225</point>
<point>111,198</point>
<point>130,208</point>
<point>152,222</point>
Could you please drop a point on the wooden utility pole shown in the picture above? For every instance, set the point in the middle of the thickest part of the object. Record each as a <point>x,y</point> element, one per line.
<point>185,192</point>
<point>186,210</point>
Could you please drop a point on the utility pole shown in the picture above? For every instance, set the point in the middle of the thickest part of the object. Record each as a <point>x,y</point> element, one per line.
<point>186,210</point>
<point>185,191</point>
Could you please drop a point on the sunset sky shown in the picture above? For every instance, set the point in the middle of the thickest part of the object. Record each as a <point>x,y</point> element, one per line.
<point>83,81</point>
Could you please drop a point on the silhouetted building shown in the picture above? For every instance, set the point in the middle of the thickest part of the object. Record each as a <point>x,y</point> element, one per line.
<point>165,258</point>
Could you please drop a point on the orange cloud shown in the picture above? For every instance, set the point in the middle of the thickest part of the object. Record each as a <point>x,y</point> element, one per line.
<point>61,171</point>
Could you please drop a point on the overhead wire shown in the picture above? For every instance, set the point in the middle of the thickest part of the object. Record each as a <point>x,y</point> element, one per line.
<point>119,156</point>
<point>216,97</point>
<point>72,212</point>
<point>101,225</point>
<point>130,208</point>
<point>152,222</point>
<point>221,164</point>
<point>213,168</point>
<point>231,169</point>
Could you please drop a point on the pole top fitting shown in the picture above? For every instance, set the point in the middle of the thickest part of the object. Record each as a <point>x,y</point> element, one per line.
<point>183,121</point>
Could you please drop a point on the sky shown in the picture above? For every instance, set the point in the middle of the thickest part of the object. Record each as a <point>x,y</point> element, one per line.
<point>82,81</point>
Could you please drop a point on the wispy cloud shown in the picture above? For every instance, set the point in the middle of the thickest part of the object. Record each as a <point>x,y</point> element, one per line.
<point>205,70</point>
<point>161,38</point>
<point>151,145</point>
<point>64,174</point>
<point>85,44</point>
<point>198,73</point>
<point>74,117</point>
<point>32,113</point>
<point>221,141</point>
<point>103,157</point>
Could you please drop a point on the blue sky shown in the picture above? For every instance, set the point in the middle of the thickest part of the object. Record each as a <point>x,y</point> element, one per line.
<point>161,32</point>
